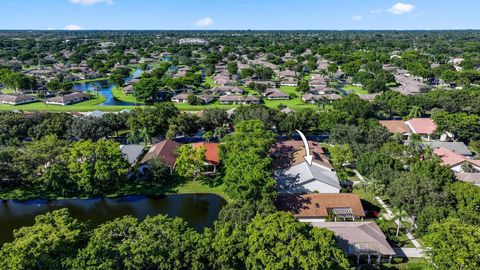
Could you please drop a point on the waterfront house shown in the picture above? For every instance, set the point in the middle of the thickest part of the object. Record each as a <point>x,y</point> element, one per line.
<point>165,150</point>
<point>68,99</point>
<point>212,159</point>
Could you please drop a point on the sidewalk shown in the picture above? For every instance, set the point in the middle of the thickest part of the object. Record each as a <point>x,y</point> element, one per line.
<point>406,252</point>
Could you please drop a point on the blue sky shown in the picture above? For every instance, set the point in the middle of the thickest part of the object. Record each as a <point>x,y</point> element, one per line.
<point>239,14</point>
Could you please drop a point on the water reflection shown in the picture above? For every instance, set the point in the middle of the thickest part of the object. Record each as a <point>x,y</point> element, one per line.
<point>199,210</point>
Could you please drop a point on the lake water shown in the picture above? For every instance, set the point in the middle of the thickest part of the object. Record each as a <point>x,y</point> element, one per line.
<point>198,210</point>
<point>105,89</point>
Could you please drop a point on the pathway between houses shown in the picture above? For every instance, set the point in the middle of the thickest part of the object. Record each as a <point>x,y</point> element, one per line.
<point>401,252</point>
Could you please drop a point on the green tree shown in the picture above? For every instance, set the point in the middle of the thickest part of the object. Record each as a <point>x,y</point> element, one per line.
<point>54,238</point>
<point>97,167</point>
<point>146,89</point>
<point>190,162</point>
<point>125,243</point>
<point>279,241</point>
<point>453,244</point>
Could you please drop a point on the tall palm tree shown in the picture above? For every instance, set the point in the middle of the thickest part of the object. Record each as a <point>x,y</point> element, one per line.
<point>399,215</point>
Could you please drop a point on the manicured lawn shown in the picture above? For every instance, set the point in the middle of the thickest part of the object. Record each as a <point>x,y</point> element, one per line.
<point>86,106</point>
<point>121,96</point>
<point>131,188</point>
<point>199,187</point>
<point>355,89</point>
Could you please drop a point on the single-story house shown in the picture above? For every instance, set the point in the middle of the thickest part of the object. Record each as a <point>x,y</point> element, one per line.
<point>165,150</point>
<point>289,81</point>
<point>473,178</point>
<point>275,94</point>
<point>317,207</point>
<point>360,239</point>
<point>68,99</point>
<point>311,98</point>
<point>425,127</point>
<point>180,98</point>
<point>457,147</point>
<point>236,99</point>
<point>96,114</point>
<point>132,153</point>
<point>17,99</point>
<point>456,161</point>
<point>212,159</point>
<point>206,99</point>
<point>397,127</point>
<point>294,175</point>
<point>227,90</point>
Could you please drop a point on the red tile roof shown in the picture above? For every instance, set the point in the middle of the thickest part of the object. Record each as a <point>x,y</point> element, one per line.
<point>396,126</point>
<point>451,159</point>
<point>422,125</point>
<point>211,152</point>
<point>316,205</point>
<point>290,153</point>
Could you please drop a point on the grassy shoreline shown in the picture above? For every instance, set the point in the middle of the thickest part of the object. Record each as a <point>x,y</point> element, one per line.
<point>131,189</point>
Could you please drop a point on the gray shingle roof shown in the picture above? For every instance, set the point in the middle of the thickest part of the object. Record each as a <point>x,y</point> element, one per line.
<point>302,173</point>
<point>457,147</point>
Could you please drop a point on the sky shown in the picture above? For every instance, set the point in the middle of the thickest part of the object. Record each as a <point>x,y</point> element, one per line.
<point>239,14</point>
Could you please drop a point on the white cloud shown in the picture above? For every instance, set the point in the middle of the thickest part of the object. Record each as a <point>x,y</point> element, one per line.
<point>357,18</point>
<point>205,22</point>
<point>91,2</point>
<point>73,27</point>
<point>401,8</point>
<point>376,11</point>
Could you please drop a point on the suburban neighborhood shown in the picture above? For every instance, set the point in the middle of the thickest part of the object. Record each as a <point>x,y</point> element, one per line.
<point>272,146</point>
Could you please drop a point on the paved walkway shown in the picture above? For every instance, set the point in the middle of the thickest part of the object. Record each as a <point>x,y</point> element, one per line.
<point>408,252</point>
<point>405,252</point>
<point>389,215</point>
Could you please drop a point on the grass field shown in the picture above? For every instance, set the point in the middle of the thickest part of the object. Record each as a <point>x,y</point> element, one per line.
<point>121,96</point>
<point>355,89</point>
<point>86,106</point>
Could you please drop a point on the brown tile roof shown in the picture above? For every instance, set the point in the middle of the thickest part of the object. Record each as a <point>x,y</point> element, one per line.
<point>395,126</point>
<point>317,205</point>
<point>290,153</point>
<point>165,150</point>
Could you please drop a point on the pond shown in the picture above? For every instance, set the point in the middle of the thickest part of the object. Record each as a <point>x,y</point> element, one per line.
<point>104,88</point>
<point>198,210</point>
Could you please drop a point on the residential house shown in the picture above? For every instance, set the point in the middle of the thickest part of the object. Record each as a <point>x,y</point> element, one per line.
<point>275,94</point>
<point>317,207</point>
<point>165,150</point>
<point>311,98</point>
<point>425,127</point>
<point>397,127</point>
<point>17,99</point>
<point>457,147</point>
<point>360,239</point>
<point>290,81</point>
<point>227,90</point>
<point>457,162</point>
<point>236,99</point>
<point>128,89</point>
<point>294,175</point>
<point>206,99</point>
<point>409,85</point>
<point>212,159</point>
<point>68,99</point>
<point>180,98</point>
<point>132,153</point>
